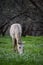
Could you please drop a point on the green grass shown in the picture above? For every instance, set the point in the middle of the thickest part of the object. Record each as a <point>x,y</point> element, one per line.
<point>33,51</point>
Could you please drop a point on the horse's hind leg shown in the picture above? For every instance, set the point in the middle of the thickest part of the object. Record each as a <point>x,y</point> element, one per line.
<point>15,44</point>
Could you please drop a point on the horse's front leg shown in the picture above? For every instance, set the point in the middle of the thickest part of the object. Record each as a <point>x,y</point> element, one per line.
<point>13,44</point>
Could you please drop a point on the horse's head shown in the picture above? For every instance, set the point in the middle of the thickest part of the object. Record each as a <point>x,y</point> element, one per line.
<point>20,48</point>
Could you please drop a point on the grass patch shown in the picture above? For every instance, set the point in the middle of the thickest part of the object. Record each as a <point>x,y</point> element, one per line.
<point>33,51</point>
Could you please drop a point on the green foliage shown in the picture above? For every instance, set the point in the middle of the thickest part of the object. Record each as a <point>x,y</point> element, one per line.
<point>33,51</point>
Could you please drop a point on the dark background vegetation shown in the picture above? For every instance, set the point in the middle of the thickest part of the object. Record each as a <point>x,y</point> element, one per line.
<point>29,13</point>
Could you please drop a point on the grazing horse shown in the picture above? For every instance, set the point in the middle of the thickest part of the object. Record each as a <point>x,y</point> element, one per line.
<point>15,33</point>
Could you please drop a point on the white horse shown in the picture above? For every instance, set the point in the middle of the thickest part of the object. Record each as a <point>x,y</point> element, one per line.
<point>15,33</point>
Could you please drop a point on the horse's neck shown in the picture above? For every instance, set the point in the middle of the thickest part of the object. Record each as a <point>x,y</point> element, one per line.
<point>18,40</point>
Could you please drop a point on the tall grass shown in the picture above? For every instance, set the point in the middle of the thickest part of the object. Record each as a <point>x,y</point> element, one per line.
<point>33,51</point>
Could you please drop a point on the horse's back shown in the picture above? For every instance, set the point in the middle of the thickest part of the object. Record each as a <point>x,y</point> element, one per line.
<point>15,29</point>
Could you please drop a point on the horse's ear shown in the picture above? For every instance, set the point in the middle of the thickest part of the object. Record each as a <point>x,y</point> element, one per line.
<point>23,45</point>
<point>23,42</point>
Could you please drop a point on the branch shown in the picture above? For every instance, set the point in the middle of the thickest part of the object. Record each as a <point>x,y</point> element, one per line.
<point>33,2</point>
<point>4,24</point>
<point>22,13</point>
<point>5,29</point>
